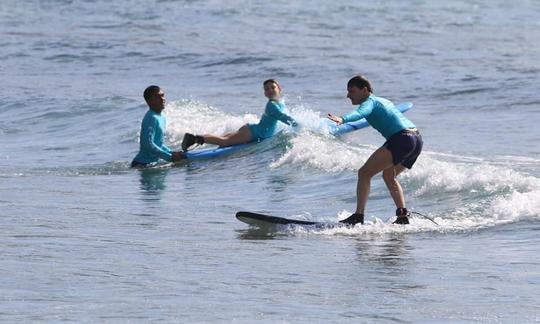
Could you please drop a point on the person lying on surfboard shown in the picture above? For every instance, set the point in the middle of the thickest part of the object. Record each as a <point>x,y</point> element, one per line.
<point>250,132</point>
<point>400,151</point>
<point>151,143</point>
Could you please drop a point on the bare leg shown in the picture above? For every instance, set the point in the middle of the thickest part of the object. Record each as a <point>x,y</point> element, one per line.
<point>389,176</point>
<point>243,135</point>
<point>380,160</point>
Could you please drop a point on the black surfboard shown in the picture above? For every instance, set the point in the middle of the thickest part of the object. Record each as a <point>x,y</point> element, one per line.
<point>256,219</point>
<point>262,220</point>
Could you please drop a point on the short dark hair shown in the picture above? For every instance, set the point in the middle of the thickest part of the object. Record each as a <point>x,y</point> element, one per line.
<point>360,81</point>
<point>150,91</point>
<point>270,81</point>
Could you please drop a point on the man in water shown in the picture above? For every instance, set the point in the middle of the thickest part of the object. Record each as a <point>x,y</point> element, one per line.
<point>151,144</point>
<point>400,151</point>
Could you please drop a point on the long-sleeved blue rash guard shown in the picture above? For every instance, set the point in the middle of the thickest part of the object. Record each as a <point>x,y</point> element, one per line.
<point>151,146</point>
<point>268,123</point>
<point>381,114</point>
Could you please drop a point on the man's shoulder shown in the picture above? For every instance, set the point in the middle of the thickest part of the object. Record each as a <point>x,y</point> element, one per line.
<point>368,102</point>
<point>381,101</point>
<point>151,116</point>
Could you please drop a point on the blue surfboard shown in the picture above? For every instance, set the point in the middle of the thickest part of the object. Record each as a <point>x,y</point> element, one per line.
<point>218,151</point>
<point>334,129</point>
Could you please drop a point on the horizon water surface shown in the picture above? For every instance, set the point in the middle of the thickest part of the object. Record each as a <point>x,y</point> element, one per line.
<point>85,238</point>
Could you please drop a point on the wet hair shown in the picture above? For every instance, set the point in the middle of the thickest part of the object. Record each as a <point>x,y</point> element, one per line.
<point>270,81</point>
<point>360,81</point>
<point>150,91</point>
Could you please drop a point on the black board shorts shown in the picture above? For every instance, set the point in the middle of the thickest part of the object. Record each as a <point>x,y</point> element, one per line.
<point>405,146</point>
<point>135,164</point>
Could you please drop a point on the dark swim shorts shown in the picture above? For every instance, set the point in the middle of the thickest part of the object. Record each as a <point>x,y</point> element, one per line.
<point>135,164</point>
<point>405,146</point>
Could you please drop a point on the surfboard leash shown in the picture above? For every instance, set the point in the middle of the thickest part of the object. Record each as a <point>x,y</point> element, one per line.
<point>426,217</point>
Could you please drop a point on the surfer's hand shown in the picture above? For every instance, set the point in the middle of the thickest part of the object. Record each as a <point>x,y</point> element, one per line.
<point>177,156</point>
<point>335,118</point>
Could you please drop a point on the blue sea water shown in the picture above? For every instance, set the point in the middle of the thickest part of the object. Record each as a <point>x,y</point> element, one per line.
<point>86,239</point>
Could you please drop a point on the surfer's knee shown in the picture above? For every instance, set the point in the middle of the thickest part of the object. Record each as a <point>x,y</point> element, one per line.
<point>365,173</point>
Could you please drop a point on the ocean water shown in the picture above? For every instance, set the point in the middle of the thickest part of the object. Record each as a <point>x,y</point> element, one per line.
<point>86,239</point>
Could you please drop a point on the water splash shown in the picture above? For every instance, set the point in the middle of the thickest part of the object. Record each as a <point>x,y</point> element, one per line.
<point>198,118</point>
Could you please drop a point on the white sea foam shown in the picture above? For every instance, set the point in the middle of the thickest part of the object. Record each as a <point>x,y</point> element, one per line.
<point>377,226</point>
<point>309,119</point>
<point>325,153</point>
<point>198,118</point>
<point>518,205</point>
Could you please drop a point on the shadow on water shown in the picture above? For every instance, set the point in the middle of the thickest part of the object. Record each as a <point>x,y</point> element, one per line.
<point>152,183</point>
<point>255,233</point>
<point>389,258</point>
<point>392,251</point>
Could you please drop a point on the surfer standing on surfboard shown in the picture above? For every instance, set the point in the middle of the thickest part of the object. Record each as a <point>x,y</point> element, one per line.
<point>250,132</point>
<point>400,151</point>
<point>151,144</point>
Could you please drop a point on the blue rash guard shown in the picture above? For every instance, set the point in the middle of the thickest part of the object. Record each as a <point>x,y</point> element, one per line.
<point>381,114</point>
<point>268,123</point>
<point>151,146</point>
